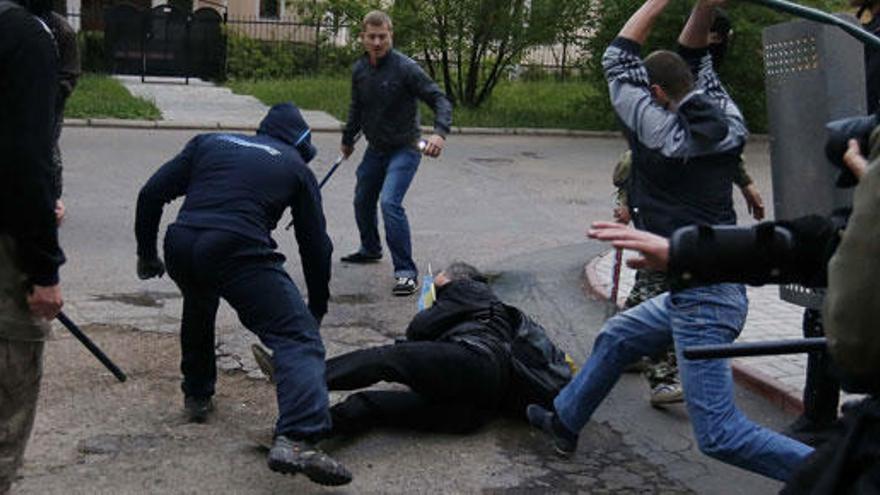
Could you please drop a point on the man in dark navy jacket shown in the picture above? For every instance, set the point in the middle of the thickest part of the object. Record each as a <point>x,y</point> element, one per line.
<point>236,189</point>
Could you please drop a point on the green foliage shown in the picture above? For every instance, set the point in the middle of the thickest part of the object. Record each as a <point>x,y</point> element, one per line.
<point>742,72</point>
<point>469,45</point>
<point>547,103</point>
<point>249,58</point>
<point>98,96</point>
<point>93,55</point>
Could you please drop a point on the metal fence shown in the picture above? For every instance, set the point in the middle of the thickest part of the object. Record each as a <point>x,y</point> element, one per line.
<point>167,41</point>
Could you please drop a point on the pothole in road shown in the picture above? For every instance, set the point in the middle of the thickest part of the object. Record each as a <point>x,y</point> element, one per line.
<point>146,299</point>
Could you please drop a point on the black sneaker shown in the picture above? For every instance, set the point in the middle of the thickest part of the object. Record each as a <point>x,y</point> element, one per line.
<point>359,257</point>
<point>405,286</point>
<point>564,441</point>
<point>198,408</point>
<point>264,360</point>
<point>291,456</point>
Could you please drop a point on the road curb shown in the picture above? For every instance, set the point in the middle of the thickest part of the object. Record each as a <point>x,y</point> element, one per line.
<point>247,127</point>
<point>779,394</point>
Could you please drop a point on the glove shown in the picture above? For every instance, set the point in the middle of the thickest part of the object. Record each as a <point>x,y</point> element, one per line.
<point>150,268</point>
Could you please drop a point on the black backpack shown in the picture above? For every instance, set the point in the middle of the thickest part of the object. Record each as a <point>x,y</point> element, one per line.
<point>540,369</point>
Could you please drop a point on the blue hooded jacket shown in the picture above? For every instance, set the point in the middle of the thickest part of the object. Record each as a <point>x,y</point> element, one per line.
<point>243,184</point>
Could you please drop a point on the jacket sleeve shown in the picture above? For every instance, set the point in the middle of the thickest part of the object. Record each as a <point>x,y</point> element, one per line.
<point>431,323</point>
<point>31,68</point>
<point>354,122</point>
<point>429,92</point>
<point>315,247</point>
<point>167,184</point>
<point>69,67</point>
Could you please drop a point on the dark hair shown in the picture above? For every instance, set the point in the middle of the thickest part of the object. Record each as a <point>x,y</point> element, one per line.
<point>721,25</point>
<point>669,71</point>
<point>459,270</point>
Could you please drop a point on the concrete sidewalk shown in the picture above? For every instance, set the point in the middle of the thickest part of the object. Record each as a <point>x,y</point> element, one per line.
<point>201,103</point>
<point>778,378</point>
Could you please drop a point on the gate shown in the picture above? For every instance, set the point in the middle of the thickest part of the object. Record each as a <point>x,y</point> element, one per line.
<point>165,41</point>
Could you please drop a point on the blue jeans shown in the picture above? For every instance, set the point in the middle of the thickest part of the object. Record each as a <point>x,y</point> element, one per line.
<point>705,315</point>
<point>384,178</point>
<point>210,264</point>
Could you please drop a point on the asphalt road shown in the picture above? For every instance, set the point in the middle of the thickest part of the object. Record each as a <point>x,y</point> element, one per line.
<point>514,206</point>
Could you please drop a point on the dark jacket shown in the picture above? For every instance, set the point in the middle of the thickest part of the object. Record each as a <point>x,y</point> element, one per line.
<point>28,71</point>
<point>467,312</point>
<point>684,162</point>
<point>243,184</point>
<point>384,102</point>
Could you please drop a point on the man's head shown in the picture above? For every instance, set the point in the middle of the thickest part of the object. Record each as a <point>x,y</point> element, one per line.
<point>376,35</point>
<point>670,78</point>
<point>459,270</point>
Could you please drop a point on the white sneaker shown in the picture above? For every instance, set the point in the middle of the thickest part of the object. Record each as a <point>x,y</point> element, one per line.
<point>405,286</point>
<point>667,393</point>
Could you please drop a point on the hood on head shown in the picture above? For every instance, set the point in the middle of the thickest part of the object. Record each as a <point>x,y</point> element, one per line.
<point>285,122</point>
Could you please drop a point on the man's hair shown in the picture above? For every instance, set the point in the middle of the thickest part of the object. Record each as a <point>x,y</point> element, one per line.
<point>377,18</point>
<point>669,71</point>
<point>459,270</point>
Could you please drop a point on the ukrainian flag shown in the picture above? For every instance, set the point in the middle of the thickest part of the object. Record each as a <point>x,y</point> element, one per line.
<point>429,293</point>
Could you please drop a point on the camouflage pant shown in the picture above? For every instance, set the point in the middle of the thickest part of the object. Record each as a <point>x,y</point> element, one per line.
<point>21,363</point>
<point>649,284</point>
<point>21,367</point>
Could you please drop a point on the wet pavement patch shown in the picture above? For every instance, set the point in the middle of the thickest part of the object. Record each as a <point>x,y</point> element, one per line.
<point>357,298</point>
<point>146,299</point>
<point>109,444</point>
<point>492,160</point>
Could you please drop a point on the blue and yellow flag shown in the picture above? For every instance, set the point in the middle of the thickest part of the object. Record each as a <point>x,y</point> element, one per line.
<point>429,293</point>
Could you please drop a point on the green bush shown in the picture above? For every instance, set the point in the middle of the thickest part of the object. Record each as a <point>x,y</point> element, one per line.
<point>93,54</point>
<point>742,72</point>
<point>249,58</point>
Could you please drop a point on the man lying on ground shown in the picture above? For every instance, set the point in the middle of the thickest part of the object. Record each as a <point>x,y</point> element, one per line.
<point>462,361</point>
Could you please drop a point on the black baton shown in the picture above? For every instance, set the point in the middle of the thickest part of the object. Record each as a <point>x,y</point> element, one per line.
<point>86,341</point>
<point>770,348</point>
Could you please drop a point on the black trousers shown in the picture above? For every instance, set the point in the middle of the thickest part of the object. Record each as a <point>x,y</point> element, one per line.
<point>452,387</point>
<point>822,388</point>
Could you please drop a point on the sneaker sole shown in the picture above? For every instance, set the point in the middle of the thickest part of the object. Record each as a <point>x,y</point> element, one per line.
<point>313,473</point>
<point>400,293</point>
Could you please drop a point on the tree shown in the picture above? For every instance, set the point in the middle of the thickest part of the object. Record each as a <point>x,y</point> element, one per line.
<point>471,44</point>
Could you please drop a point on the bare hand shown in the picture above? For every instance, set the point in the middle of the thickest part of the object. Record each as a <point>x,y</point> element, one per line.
<point>346,150</point>
<point>653,249</point>
<point>753,201</point>
<point>434,145</point>
<point>45,301</point>
<point>854,160</point>
<point>60,210</point>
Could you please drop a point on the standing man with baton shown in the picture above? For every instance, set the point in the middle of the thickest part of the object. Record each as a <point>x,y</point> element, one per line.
<point>30,294</point>
<point>386,87</point>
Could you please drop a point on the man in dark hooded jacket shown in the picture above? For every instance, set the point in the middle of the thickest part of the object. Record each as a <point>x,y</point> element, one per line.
<point>236,189</point>
<point>455,361</point>
<point>466,359</point>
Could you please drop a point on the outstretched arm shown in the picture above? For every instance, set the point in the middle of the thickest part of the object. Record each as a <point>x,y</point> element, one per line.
<point>639,26</point>
<point>695,33</point>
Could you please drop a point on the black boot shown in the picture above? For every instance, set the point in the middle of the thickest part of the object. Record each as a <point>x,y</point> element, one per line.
<point>293,456</point>
<point>198,408</point>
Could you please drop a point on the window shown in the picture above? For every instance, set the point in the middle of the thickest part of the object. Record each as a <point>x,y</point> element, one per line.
<point>270,9</point>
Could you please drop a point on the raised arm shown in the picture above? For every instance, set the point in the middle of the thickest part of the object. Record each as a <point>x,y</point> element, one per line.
<point>639,25</point>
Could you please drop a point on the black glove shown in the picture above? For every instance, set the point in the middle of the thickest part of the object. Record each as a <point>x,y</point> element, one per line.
<point>149,268</point>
